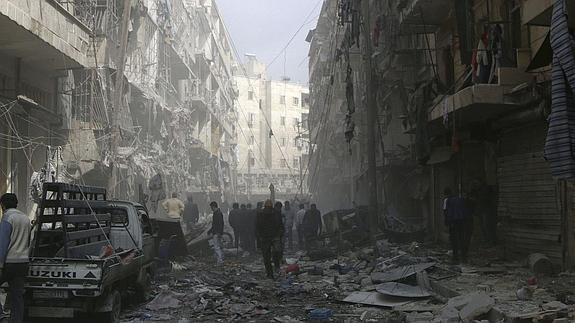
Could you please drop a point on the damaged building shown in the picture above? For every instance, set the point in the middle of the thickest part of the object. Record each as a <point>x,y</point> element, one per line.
<point>463,95</point>
<point>273,136</point>
<point>166,125</point>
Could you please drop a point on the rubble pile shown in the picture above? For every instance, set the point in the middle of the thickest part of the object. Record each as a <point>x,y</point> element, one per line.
<point>387,283</point>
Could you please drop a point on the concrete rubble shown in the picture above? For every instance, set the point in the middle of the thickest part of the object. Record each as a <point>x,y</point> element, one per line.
<point>342,289</point>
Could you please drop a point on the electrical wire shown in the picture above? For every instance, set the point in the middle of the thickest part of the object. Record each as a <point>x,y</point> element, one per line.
<point>295,34</point>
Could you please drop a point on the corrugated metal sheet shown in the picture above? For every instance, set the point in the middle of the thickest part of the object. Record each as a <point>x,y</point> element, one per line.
<point>528,196</point>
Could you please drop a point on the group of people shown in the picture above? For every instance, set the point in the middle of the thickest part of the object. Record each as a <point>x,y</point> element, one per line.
<point>268,227</point>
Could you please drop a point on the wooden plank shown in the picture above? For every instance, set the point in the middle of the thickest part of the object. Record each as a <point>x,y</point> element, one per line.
<point>83,234</point>
<point>87,218</point>
<point>72,188</point>
<point>80,204</point>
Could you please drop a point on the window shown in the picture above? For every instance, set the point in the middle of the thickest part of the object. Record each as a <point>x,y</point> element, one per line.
<point>283,163</point>
<point>295,163</point>
<point>250,95</point>
<point>282,99</point>
<point>283,142</point>
<point>283,121</point>
<point>251,120</point>
<point>252,140</point>
<point>296,122</point>
<point>251,160</point>
<point>305,100</point>
<point>304,119</point>
<point>295,101</point>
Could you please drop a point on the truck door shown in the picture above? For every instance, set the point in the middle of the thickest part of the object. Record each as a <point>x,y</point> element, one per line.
<point>148,239</point>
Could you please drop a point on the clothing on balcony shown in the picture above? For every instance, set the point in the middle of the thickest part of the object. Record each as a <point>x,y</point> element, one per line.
<point>560,143</point>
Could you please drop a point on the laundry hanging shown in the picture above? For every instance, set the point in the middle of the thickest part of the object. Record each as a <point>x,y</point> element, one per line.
<point>560,142</point>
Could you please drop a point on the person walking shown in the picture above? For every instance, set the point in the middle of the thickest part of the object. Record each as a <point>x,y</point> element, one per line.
<point>14,249</point>
<point>312,225</point>
<point>174,207</point>
<point>299,225</point>
<point>191,211</point>
<point>459,220</point>
<point>234,219</point>
<point>269,230</point>
<point>250,227</point>
<point>289,217</point>
<point>216,232</point>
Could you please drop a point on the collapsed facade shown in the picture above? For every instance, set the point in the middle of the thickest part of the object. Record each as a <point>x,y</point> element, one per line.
<point>59,71</point>
<point>273,139</point>
<point>463,96</point>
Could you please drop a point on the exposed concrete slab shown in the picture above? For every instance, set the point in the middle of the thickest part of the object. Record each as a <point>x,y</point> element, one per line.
<point>42,34</point>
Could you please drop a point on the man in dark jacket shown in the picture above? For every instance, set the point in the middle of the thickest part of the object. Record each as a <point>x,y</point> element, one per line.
<point>459,220</point>
<point>216,232</point>
<point>269,230</point>
<point>235,219</point>
<point>249,227</point>
<point>312,225</point>
<point>191,212</point>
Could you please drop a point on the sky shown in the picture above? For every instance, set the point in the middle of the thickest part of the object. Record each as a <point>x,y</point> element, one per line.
<point>264,28</point>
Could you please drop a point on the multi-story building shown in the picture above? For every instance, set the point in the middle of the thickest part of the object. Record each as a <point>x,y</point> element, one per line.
<point>462,98</point>
<point>273,143</point>
<point>175,114</point>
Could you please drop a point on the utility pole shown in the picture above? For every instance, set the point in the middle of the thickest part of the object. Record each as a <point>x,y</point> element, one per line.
<point>249,188</point>
<point>371,121</point>
<point>119,90</point>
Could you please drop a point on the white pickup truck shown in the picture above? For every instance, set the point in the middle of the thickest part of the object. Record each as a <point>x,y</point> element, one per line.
<point>88,253</point>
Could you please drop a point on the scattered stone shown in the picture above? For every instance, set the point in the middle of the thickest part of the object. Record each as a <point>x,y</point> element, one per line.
<point>164,300</point>
<point>524,293</point>
<point>562,320</point>
<point>419,317</point>
<point>449,315</point>
<point>479,304</point>
<point>554,306</point>
<point>382,247</point>
<point>365,282</point>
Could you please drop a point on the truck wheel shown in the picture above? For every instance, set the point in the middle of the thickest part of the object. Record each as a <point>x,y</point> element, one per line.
<point>143,287</point>
<point>114,315</point>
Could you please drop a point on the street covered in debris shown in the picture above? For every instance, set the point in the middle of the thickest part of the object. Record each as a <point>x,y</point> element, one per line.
<point>287,161</point>
<point>387,283</point>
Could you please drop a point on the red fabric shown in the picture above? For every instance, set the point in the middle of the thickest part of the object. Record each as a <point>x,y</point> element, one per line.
<point>293,268</point>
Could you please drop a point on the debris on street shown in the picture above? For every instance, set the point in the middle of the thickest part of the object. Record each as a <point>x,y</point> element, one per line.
<point>398,287</point>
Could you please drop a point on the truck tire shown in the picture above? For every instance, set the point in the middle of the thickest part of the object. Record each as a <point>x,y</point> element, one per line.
<point>113,316</point>
<point>143,287</point>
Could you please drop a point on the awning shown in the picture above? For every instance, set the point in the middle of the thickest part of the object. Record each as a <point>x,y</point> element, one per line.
<point>544,55</point>
<point>440,155</point>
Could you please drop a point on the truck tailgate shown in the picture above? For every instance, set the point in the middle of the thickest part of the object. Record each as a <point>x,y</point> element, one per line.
<point>68,274</point>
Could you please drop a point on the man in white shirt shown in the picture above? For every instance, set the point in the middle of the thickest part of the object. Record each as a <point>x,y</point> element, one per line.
<point>299,222</point>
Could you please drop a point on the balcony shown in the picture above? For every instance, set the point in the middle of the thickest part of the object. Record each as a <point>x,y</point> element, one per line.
<point>423,16</point>
<point>30,28</point>
<point>199,94</point>
<point>483,101</point>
